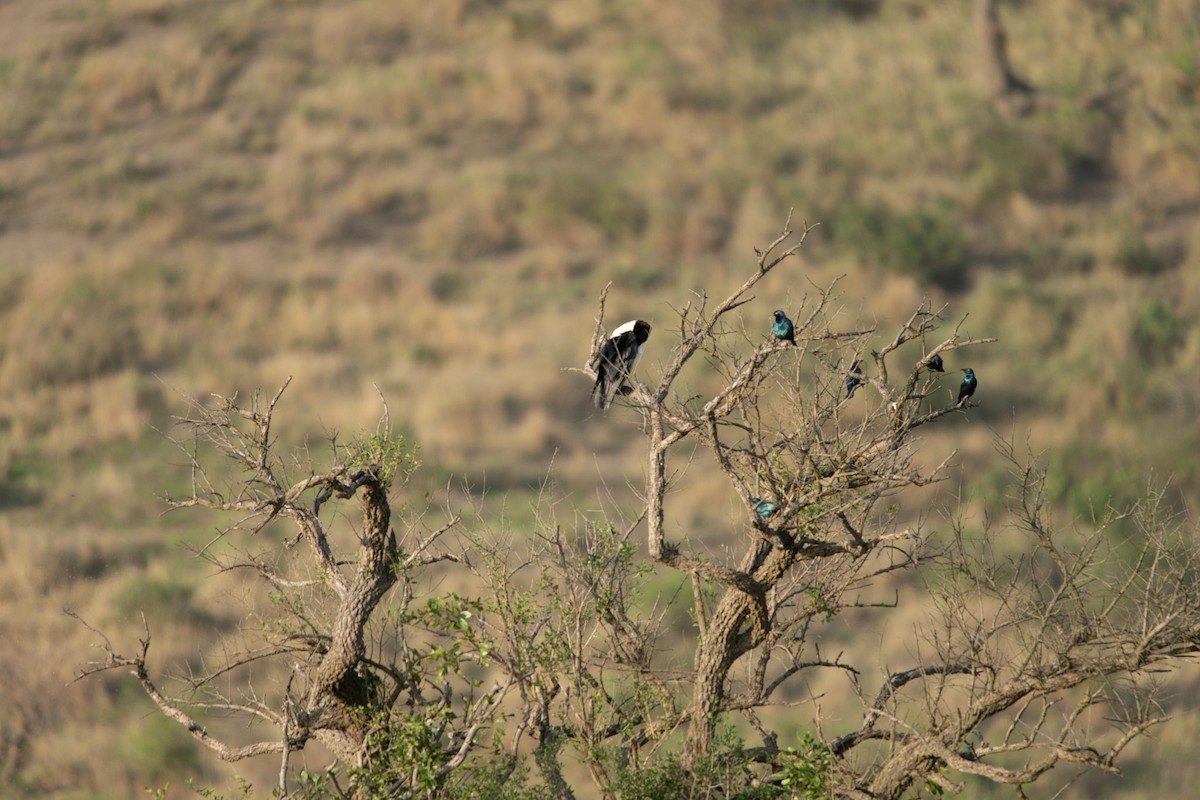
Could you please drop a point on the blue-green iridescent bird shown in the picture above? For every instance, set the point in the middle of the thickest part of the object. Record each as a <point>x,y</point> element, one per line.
<point>968,385</point>
<point>936,364</point>
<point>783,329</point>
<point>764,508</point>
<point>852,382</point>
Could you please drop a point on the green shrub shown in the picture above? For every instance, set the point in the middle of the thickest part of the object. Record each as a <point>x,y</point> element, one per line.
<point>448,286</point>
<point>643,278</point>
<point>391,455</point>
<point>426,353</point>
<point>926,243</point>
<point>661,780</point>
<point>725,773</point>
<point>23,480</point>
<point>1079,480</point>
<point>1134,256</point>
<point>158,747</point>
<point>163,598</point>
<point>1040,156</point>
<point>809,772</point>
<point>1155,331</point>
<point>1010,159</point>
<point>1038,260</point>
<point>599,197</point>
<point>503,779</point>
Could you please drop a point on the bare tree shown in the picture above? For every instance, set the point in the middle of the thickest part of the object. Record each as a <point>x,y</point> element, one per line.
<point>355,683</point>
<point>782,425</point>
<point>1006,89</point>
<point>777,429</point>
<point>1043,655</point>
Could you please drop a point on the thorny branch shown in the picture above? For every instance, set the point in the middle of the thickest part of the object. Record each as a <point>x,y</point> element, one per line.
<point>137,667</point>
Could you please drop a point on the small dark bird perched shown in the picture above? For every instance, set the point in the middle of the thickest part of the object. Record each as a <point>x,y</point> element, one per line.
<point>968,385</point>
<point>852,382</point>
<point>935,363</point>
<point>618,357</point>
<point>782,328</point>
<point>764,508</point>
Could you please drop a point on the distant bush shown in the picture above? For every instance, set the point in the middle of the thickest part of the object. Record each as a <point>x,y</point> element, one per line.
<point>927,243</point>
<point>598,197</point>
<point>426,353</point>
<point>164,597</point>
<point>643,278</point>
<point>1040,259</point>
<point>21,482</point>
<point>156,747</point>
<point>1135,256</point>
<point>447,286</point>
<point>1155,330</point>
<point>1088,480</point>
<point>1010,159</point>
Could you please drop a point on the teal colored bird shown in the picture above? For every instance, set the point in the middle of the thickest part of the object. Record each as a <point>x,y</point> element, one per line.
<point>936,364</point>
<point>783,329</point>
<point>852,382</point>
<point>968,386</point>
<point>764,508</point>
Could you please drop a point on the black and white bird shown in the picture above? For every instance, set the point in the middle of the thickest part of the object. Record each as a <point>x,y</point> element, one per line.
<point>618,357</point>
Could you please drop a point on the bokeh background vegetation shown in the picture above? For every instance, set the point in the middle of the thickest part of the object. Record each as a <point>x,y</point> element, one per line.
<point>210,195</point>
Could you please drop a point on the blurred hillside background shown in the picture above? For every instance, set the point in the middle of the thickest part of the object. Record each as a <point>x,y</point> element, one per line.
<point>211,195</point>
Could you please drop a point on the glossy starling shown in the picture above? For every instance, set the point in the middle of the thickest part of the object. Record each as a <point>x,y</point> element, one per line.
<point>783,328</point>
<point>968,385</point>
<point>764,508</point>
<point>935,363</point>
<point>852,382</point>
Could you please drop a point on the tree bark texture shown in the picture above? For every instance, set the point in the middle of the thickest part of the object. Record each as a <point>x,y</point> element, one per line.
<point>338,687</point>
